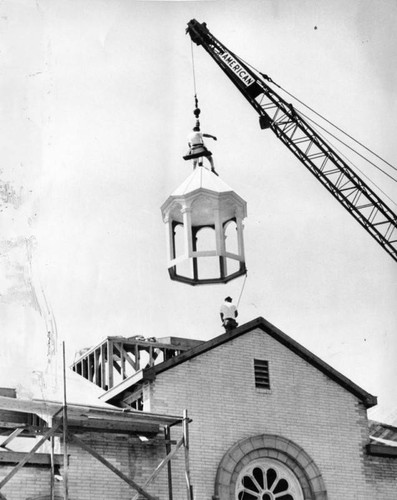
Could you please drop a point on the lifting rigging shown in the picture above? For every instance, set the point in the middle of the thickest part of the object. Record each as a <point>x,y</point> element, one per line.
<point>197,149</point>
<point>204,220</point>
<point>303,141</point>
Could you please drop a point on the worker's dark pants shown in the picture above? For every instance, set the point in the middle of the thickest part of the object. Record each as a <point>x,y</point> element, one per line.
<point>230,324</point>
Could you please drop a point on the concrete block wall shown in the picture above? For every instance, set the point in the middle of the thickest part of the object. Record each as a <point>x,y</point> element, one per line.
<point>88,478</point>
<point>303,405</point>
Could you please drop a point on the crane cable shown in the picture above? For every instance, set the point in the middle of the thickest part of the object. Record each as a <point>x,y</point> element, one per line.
<point>347,159</point>
<point>340,140</point>
<point>193,69</point>
<point>266,77</point>
<point>196,110</point>
<point>352,149</point>
<point>344,143</point>
<point>345,133</point>
<point>242,289</point>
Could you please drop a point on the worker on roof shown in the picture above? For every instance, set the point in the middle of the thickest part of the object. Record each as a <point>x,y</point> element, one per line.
<point>197,148</point>
<point>228,314</point>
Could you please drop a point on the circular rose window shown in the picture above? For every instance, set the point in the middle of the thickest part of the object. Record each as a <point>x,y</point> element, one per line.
<point>268,479</point>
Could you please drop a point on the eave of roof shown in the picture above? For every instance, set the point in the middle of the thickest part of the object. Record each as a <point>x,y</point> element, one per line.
<point>382,450</point>
<point>383,433</point>
<point>91,417</point>
<point>118,389</point>
<point>368,399</point>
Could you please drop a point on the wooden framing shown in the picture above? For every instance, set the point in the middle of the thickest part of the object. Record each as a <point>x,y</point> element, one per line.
<point>102,420</point>
<point>22,462</point>
<point>124,356</point>
<point>13,435</point>
<point>167,437</point>
<point>161,465</point>
<point>189,486</point>
<point>13,457</point>
<point>52,477</point>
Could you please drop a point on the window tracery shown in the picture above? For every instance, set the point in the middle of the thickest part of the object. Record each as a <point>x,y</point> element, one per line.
<point>267,479</point>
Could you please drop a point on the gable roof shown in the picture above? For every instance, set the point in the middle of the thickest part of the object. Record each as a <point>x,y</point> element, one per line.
<point>367,399</point>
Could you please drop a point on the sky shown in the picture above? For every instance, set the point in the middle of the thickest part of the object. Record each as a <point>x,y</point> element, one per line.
<point>97,100</point>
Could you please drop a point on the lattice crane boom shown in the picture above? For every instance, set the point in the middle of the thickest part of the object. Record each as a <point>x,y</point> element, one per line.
<point>304,142</point>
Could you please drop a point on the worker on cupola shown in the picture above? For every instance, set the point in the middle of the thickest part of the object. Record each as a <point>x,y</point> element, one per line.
<point>197,148</point>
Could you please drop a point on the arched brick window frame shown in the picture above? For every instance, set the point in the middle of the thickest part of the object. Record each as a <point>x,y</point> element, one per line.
<point>268,446</point>
<point>45,497</point>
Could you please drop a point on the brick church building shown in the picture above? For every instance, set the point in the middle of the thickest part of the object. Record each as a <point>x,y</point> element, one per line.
<point>269,420</point>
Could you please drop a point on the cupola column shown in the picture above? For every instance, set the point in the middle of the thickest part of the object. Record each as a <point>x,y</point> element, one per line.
<point>187,230</point>
<point>170,236</point>
<point>240,238</point>
<point>220,241</point>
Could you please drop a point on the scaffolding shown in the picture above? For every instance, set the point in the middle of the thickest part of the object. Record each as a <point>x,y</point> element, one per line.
<point>46,420</point>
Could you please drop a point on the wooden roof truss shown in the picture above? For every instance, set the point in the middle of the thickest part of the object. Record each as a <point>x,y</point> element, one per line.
<point>117,358</point>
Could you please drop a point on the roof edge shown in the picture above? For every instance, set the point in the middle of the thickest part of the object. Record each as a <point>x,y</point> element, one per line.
<point>381,450</point>
<point>368,399</point>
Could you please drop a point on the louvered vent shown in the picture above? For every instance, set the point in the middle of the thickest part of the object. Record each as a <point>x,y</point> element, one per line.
<point>261,370</point>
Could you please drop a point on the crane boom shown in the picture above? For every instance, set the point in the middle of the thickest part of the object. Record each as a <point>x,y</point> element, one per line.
<point>304,142</point>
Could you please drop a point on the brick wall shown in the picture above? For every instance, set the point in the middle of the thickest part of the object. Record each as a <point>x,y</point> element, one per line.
<point>381,476</point>
<point>88,478</point>
<point>29,482</point>
<point>303,405</point>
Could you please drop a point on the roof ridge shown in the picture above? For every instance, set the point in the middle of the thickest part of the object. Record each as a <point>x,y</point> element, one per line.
<point>368,399</point>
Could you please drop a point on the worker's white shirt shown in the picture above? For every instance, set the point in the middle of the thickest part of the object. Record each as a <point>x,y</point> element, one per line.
<point>195,138</point>
<point>228,310</point>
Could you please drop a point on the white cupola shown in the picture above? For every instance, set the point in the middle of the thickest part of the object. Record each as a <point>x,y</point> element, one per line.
<point>204,227</point>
